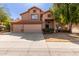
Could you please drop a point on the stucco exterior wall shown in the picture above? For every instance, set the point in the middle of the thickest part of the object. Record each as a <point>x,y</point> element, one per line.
<point>27,15</point>
<point>75,28</point>
<point>38,12</point>
<point>45,16</point>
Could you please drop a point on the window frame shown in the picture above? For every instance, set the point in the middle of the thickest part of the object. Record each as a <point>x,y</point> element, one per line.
<point>34,16</point>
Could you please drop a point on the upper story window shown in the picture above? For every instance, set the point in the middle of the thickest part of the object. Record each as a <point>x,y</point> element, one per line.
<point>34,16</point>
<point>49,15</point>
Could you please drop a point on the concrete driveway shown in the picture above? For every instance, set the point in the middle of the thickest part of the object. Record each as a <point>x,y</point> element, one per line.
<point>30,44</point>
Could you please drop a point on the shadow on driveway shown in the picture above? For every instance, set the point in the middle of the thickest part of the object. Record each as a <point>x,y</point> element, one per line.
<point>28,36</point>
<point>74,38</point>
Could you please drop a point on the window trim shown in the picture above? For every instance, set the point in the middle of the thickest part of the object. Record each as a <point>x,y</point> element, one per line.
<point>36,15</point>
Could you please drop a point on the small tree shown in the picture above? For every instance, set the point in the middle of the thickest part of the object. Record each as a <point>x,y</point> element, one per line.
<point>4,18</point>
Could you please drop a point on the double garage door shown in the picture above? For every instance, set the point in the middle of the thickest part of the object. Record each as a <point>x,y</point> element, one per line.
<point>27,28</point>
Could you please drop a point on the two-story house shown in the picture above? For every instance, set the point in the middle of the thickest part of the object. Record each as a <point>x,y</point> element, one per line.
<point>33,20</point>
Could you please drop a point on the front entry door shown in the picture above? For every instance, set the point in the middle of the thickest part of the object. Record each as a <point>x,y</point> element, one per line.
<point>47,26</point>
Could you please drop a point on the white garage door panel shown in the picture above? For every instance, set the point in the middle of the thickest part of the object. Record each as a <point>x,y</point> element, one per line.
<point>32,28</point>
<point>17,27</point>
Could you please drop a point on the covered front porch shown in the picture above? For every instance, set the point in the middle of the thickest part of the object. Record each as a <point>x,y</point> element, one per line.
<point>48,26</point>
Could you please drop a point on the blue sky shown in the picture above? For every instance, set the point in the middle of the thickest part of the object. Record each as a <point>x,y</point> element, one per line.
<point>16,8</point>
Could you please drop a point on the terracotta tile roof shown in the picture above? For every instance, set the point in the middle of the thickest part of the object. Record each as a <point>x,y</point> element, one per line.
<point>26,22</point>
<point>32,8</point>
<point>46,11</point>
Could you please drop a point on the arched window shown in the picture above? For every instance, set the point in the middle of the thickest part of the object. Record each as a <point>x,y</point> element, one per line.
<point>34,11</point>
<point>49,15</point>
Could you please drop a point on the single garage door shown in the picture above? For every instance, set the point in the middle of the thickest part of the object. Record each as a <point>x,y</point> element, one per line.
<point>17,27</point>
<point>32,28</point>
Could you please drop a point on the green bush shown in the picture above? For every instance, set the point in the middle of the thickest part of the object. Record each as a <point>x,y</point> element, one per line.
<point>48,30</point>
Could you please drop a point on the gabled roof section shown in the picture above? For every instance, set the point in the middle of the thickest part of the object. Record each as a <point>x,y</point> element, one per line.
<point>32,8</point>
<point>46,11</point>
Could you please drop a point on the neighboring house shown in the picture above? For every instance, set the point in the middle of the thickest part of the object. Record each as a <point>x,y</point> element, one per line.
<point>36,20</point>
<point>33,20</point>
